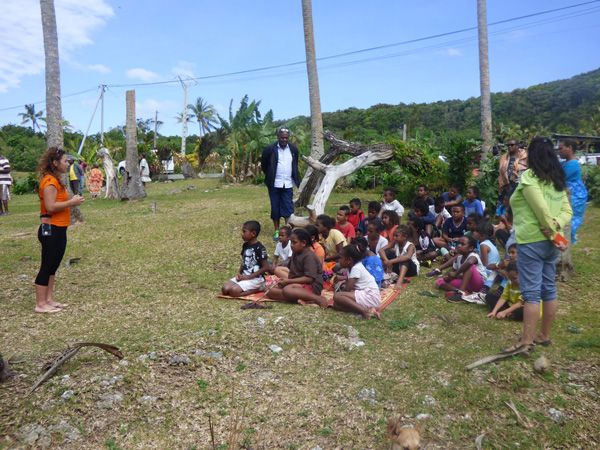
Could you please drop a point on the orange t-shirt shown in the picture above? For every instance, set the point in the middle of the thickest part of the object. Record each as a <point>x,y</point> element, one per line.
<point>319,251</point>
<point>389,234</point>
<point>60,218</point>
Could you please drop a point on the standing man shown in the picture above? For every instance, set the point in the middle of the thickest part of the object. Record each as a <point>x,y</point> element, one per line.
<point>279,163</point>
<point>82,179</point>
<point>75,174</point>
<point>512,165</point>
<point>5,182</point>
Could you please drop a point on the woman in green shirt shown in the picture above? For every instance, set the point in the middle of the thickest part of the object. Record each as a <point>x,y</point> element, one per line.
<point>541,208</point>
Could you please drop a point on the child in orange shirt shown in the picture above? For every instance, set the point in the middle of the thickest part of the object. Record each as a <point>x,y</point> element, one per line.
<point>343,225</point>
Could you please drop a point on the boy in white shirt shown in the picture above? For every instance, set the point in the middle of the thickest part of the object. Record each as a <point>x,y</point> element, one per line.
<point>283,253</point>
<point>390,203</point>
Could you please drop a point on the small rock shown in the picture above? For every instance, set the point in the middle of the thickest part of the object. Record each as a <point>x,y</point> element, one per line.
<point>216,355</point>
<point>429,400</point>
<point>147,399</point>
<point>198,353</point>
<point>541,365</point>
<point>438,345</point>
<point>67,394</point>
<point>275,348</point>
<point>206,191</point>
<point>108,400</point>
<point>191,188</point>
<point>278,319</point>
<point>403,365</point>
<point>143,358</point>
<point>421,326</point>
<point>63,427</point>
<point>352,332</point>
<point>556,415</point>
<point>66,379</point>
<point>105,383</point>
<point>368,395</point>
<point>174,191</point>
<point>152,356</point>
<point>287,341</point>
<point>423,416</point>
<point>124,362</point>
<point>261,322</point>
<point>178,360</point>
<point>316,448</point>
<point>265,375</point>
<point>237,358</point>
<point>467,417</point>
<point>355,343</point>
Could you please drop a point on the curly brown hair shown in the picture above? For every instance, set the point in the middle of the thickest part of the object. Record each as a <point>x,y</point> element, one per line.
<point>46,165</point>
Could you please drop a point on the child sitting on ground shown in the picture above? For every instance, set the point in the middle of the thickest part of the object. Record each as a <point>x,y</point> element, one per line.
<point>361,293</point>
<point>441,213</point>
<point>452,197</point>
<point>317,248</point>
<point>490,258</point>
<point>332,240</point>
<point>343,225</point>
<point>400,256</point>
<point>426,251</point>
<point>373,216</point>
<point>391,204</point>
<point>423,194</point>
<point>390,222</point>
<point>421,209</point>
<point>374,238</point>
<point>505,229</point>
<point>492,297</point>
<point>249,278</point>
<point>473,202</point>
<point>371,260</point>
<point>453,229</point>
<point>356,214</point>
<point>472,220</point>
<point>510,304</point>
<point>468,272</point>
<point>283,253</point>
<point>305,282</point>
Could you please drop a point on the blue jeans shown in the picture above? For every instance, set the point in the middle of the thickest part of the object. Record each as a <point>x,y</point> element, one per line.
<point>537,271</point>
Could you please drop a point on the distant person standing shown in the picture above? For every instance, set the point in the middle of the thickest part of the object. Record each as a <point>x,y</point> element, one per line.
<point>83,165</point>
<point>75,174</point>
<point>5,182</point>
<point>279,163</point>
<point>512,164</point>
<point>144,170</point>
<point>578,193</point>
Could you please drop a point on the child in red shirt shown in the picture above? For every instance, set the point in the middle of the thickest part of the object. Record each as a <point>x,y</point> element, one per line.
<point>343,225</point>
<point>356,214</point>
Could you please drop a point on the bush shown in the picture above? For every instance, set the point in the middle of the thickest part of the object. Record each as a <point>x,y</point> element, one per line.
<point>591,178</point>
<point>28,186</point>
<point>487,181</point>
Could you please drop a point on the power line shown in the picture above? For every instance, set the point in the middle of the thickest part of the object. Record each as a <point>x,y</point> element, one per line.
<point>354,52</point>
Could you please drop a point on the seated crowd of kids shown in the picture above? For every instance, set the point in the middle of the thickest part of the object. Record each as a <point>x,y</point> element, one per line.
<point>364,254</point>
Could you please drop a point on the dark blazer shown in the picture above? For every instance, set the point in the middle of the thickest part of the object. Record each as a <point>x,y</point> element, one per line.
<point>268,162</point>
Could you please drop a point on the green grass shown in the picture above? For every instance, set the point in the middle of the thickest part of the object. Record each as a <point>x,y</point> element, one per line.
<point>147,283</point>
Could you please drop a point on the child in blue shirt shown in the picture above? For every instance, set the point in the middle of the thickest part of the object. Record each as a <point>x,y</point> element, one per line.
<point>473,203</point>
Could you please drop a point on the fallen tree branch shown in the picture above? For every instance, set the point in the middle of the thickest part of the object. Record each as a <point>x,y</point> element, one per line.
<point>499,357</point>
<point>67,355</point>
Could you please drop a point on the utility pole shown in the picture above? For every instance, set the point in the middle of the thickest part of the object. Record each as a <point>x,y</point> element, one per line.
<point>155,127</point>
<point>184,116</point>
<point>102,113</point>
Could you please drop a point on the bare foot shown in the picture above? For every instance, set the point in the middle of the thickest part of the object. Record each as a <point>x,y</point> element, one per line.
<point>375,313</point>
<point>323,303</point>
<point>47,310</point>
<point>56,304</point>
<point>302,303</point>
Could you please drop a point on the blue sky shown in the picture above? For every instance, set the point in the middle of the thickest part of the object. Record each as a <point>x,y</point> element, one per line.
<point>126,42</point>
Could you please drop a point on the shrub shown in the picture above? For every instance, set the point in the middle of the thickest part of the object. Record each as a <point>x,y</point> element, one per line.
<point>28,186</point>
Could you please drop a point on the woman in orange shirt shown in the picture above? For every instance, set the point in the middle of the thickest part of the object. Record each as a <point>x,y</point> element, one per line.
<point>56,217</point>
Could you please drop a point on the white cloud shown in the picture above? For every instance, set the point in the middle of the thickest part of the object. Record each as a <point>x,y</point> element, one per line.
<point>146,108</point>
<point>184,69</point>
<point>21,42</point>
<point>452,52</point>
<point>145,75</point>
<point>99,68</point>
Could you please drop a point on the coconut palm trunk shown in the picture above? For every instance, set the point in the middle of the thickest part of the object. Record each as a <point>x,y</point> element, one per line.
<point>484,78</point>
<point>132,188</point>
<point>54,120</point>
<point>311,178</point>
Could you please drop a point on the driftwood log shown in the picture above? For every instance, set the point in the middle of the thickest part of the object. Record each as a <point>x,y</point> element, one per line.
<point>363,156</point>
<point>112,182</point>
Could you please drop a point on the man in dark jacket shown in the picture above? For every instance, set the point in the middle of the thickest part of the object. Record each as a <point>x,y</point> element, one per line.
<point>279,163</point>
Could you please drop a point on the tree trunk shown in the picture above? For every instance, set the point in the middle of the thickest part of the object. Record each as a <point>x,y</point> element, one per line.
<point>311,179</point>
<point>5,372</point>
<point>132,188</point>
<point>564,263</point>
<point>112,181</point>
<point>54,123</point>
<point>363,156</point>
<point>484,79</point>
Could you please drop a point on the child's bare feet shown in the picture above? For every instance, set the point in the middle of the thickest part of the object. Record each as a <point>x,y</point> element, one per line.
<point>56,304</point>
<point>322,302</point>
<point>303,303</point>
<point>374,312</point>
<point>46,310</point>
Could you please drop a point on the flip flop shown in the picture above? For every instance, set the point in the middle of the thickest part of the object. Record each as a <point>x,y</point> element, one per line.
<point>255,305</point>
<point>51,311</point>
<point>547,343</point>
<point>515,348</point>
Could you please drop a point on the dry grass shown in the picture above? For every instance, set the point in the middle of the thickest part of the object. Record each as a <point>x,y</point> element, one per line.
<point>147,283</point>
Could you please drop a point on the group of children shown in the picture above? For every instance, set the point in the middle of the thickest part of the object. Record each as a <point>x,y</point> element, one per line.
<point>369,252</point>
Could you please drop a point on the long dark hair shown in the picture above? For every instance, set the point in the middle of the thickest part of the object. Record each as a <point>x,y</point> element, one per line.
<point>544,163</point>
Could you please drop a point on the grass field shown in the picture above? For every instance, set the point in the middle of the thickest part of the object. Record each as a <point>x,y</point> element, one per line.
<point>147,284</point>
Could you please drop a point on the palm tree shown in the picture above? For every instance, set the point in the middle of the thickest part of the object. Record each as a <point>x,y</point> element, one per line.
<point>31,116</point>
<point>205,114</point>
<point>188,118</point>
<point>317,149</point>
<point>484,79</point>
